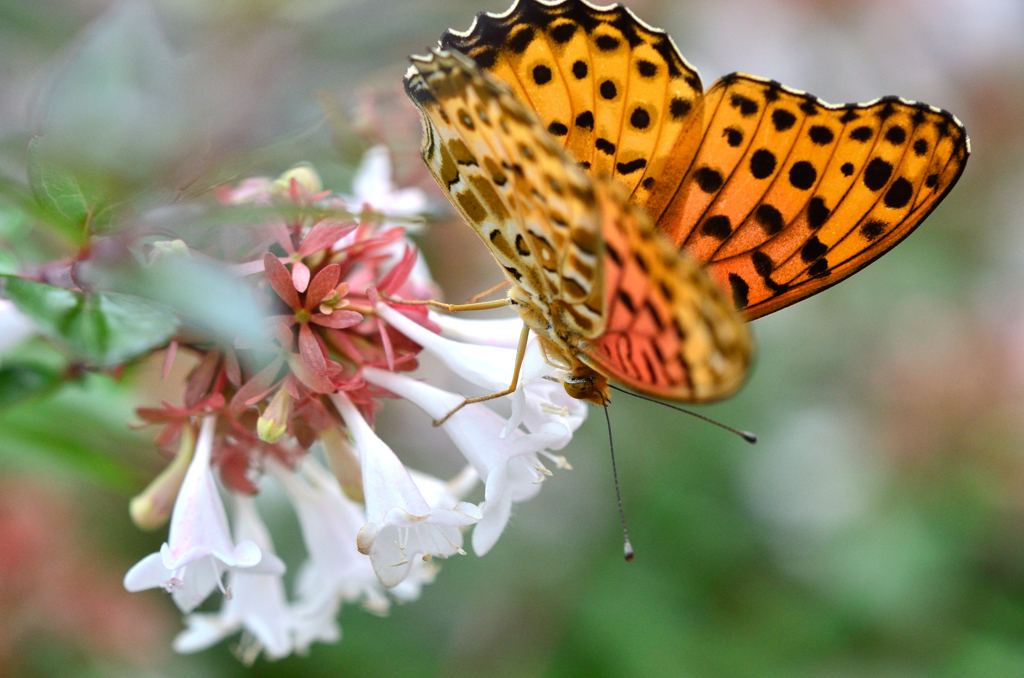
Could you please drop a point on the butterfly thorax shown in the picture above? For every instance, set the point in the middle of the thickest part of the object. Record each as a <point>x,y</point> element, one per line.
<point>562,344</point>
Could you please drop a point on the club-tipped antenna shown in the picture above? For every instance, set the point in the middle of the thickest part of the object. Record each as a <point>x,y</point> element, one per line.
<point>746,435</point>
<point>627,547</point>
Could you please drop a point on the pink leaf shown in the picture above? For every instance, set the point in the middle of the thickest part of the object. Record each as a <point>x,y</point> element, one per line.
<point>389,352</point>
<point>323,235</point>
<point>284,336</point>
<point>309,349</point>
<point>257,387</point>
<point>199,382</point>
<point>300,276</point>
<point>232,368</point>
<point>397,276</point>
<point>323,284</point>
<point>309,378</point>
<point>345,345</point>
<point>338,320</point>
<point>172,350</point>
<point>280,280</point>
<point>283,237</point>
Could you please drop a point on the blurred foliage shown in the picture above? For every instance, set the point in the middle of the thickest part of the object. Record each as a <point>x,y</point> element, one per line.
<point>874,531</point>
<point>101,328</point>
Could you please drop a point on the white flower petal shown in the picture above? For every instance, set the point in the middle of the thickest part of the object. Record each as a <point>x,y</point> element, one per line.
<point>506,463</point>
<point>502,332</point>
<point>199,548</point>
<point>199,524</point>
<point>401,525</point>
<point>487,366</point>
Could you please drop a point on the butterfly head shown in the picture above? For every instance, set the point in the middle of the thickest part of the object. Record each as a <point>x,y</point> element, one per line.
<point>584,383</point>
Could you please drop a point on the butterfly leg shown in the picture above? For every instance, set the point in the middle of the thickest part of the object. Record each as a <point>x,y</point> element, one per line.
<point>451,308</point>
<point>520,353</point>
<point>477,297</point>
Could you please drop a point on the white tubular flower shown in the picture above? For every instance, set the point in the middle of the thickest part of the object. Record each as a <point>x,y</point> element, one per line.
<point>508,464</point>
<point>335,570</point>
<point>257,602</point>
<point>373,187</point>
<point>503,332</point>
<point>401,525</point>
<point>199,548</point>
<point>486,366</point>
<point>491,367</point>
<point>375,192</point>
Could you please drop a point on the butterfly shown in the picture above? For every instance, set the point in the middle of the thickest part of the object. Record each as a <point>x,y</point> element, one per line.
<point>640,220</point>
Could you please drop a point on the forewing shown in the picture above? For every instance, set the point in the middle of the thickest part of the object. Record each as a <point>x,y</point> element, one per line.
<point>614,91</point>
<point>524,196</point>
<point>671,332</point>
<point>788,195</point>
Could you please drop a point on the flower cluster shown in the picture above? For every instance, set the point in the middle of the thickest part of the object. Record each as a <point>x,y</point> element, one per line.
<point>296,409</point>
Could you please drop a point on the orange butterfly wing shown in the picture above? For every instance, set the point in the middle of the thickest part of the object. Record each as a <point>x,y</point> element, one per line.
<point>780,194</point>
<point>788,195</point>
<point>614,91</point>
<point>669,330</point>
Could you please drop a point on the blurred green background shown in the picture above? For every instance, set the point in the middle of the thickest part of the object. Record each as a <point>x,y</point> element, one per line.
<point>876,530</point>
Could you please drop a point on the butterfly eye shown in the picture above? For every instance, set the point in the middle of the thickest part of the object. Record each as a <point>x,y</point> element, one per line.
<point>586,384</point>
<point>581,388</point>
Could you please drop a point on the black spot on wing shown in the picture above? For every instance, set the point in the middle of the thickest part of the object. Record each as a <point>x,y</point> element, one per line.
<point>848,116</point>
<point>717,227</point>
<point>821,135</point>
<point>802,175</point>
<point>762,263</point>
<point>640,118</point>
<point>762,163</point>
<point>630,167</point>
<point>521,39</point>
<point>782,119</point>
<point>877,174</point>
<point>558,129</point>
<point>678,108</point>
<point>862,133</point>
<point>899,194</point>
<point>646,69</point>
<point>872,229</point>
<point>746,106</point>
<point>770,219</point>
<point>896,135</point>
<point>817,212</point>
<point>709,180</point>
<point>563,33</point>
<point>740,291</point>
<point>812,250</point>
<point>541,74</point>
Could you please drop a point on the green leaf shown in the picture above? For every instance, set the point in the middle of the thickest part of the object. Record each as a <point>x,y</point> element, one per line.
<point>103,328</point>
<point>77,431</point>
<point>22,381</point>
<point>58,192</point>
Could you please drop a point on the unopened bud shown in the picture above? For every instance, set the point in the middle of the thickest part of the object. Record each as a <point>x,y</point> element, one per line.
<point>153,507</point>
<point>304,175</point>
<point>168,249</point>
<point>273,423</point>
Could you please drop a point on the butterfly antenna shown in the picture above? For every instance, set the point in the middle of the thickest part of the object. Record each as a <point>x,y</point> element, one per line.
<point>627,547</point>
<point>746,435</point>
